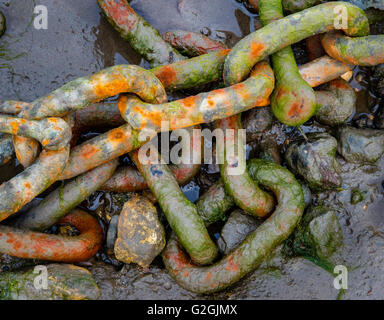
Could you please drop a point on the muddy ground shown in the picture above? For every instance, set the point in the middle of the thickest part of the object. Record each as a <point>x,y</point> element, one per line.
<point>79,41</point>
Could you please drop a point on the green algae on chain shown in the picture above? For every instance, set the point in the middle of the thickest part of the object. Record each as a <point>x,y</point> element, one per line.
<point>245,192</point>
<point>2,24</point>
<point>62,200</point>
<point>192,72</point>
<point>52,133</point>
<point>255,248</point>
<point>6,148</point>
<point>101,149</point>
<point>291,29</point>
<point>105,147</point>
<point>181,214</point>
<point>202,108</point>
<point>35,245</point>
<point>35,179</point>
<point>289,5</point>
<point>121,140</point>
<point>128,179</point>
<point>209,68</point>
<point>293,101</point>
<point>335,103</point>
<point>143,38</point>
<point>362,51</point>
<point>191,43</point>
<point>80,93</point>
<point>65,282</point>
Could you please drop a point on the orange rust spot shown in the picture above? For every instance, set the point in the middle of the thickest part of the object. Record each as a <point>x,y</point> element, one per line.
<point>121,13</point>
<point>256,49</point>
<point>295,110</point>
<point>166,75</point>
<point>211,103</point>
<point>116,135</point>
<point>186,274</point>
<point>231,265</point>
<point>208,276</point>
<point>45,142</point>
<point>88,151</point>
<point>180,260</point>
<point>189,102</point>
<point>154,116</point>
<point>14,126</point>
<point>110,88</point>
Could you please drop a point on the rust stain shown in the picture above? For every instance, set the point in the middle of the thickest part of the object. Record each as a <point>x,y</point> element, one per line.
<point>231,265</point>
<point>166,75</point>
<point>256,49</point>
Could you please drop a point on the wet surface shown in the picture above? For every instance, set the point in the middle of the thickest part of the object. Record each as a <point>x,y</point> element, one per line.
<point>79,41</point>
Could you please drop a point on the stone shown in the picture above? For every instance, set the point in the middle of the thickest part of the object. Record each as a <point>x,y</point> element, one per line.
<point>360,145</point>
<point>325,231</point>
<point>236,229</point>
<point>64,282</point>
<point>314,160</point>
<point>256,121</point>
<point>140,235</point>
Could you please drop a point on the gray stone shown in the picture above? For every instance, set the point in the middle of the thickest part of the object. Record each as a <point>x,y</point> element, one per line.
<point>314,160</point>
<point>361,145</point>
<point>325,231</point>
<point>236,229</point>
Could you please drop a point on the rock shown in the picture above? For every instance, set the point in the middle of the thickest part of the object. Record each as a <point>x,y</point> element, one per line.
<point>140,235</point>
<point>361,145</point>
<point>314,160</point>
<point>336,103</point>
<point>112,232</point>
<point>270,150</point>
<point>111,204</point>
<point>379,117</point>
<point>256,121</point>
<point>64,282</point>
<point>307,193</point>
<point>356,196</point>
<point>377,80</point>
<point>325,231</point>
<point>364,121</point>
<point>236,229</point>
<point>318,234</point>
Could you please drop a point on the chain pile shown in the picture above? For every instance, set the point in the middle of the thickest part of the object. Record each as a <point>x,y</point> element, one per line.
<point>179,60</point>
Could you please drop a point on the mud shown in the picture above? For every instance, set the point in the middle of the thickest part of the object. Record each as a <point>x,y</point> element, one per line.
<point>33,63</point>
